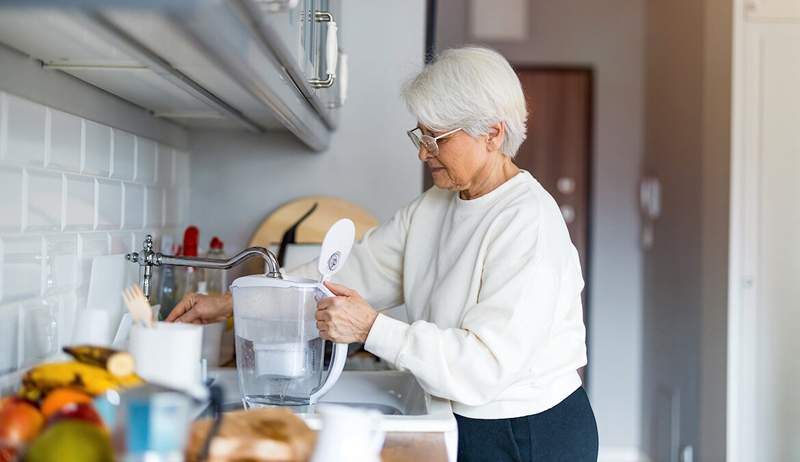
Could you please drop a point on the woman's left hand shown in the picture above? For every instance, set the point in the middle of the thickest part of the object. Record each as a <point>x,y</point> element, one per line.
<point>345,318</point>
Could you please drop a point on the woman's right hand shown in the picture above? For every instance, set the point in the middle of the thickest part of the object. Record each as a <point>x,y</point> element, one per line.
<point>202,309</point>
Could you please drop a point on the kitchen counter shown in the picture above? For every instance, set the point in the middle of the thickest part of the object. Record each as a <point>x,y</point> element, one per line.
<point>418,426</point>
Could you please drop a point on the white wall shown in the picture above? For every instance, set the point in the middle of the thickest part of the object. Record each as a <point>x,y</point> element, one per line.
<point>73,186</point>
<point>238,179</point>
<point>608,37</point>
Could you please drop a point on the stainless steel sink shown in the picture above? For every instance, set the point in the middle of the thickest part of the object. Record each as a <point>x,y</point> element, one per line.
<point>397,395</point>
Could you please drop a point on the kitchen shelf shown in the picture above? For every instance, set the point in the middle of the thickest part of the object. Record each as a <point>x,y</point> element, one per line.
<point>202,64</point>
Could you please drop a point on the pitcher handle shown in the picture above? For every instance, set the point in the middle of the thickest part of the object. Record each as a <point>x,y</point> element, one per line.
<point>338,358</point>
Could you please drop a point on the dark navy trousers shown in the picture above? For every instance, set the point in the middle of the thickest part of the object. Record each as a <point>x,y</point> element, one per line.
<point>565,433</point>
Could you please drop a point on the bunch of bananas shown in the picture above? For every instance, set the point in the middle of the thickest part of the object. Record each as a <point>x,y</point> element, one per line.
<point>88,373</point>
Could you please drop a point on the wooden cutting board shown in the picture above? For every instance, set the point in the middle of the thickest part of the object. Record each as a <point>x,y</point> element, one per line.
<point>313,229</point>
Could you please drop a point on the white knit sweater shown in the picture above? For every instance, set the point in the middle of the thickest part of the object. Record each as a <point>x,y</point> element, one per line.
<point>492,287</point>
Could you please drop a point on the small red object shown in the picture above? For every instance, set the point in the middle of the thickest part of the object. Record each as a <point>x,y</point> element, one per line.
<point>190,238</point>
<point>216,243</point>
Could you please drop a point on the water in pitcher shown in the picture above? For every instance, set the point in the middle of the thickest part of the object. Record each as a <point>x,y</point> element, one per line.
<point>277,361</point>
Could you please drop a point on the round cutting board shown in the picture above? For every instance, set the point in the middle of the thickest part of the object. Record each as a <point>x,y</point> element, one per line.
<point>313,229</point>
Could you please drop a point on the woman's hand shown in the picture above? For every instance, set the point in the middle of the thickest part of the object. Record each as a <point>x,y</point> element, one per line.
<point>202,309</point>
<point>345,318</point>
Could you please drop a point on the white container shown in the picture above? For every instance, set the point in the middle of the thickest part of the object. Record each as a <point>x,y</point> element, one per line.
<point>212,341</point>
<point>350,434</point>
<point>168,354</point>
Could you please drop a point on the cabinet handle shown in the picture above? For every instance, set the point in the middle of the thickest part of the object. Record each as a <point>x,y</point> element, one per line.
<point>331,50</point>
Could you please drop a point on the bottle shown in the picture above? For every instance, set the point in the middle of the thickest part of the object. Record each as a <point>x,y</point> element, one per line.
<point>188,275</point>
<point>216,279</point>
<point>166,289</point>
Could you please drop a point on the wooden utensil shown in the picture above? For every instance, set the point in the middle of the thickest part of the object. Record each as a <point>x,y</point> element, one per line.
<point>138,305</point>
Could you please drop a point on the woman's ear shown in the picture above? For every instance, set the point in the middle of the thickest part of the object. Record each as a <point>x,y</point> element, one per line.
<point>496,136</point>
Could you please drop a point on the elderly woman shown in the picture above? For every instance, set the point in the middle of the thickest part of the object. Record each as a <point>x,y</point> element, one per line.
<point>486,269</point>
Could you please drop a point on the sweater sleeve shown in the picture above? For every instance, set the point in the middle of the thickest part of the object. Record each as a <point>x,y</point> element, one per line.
<point>375,265</point>
<point>515,309</point>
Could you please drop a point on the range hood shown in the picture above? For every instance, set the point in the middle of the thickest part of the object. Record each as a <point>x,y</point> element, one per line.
<point>237,64</point>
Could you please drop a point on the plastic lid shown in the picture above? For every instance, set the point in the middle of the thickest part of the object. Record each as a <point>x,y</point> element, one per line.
<point>260,280</point>
<point>190,238</point>
<point>216,243</point>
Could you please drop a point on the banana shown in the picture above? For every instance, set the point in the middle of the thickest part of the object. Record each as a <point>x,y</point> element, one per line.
<point>118,363</point>
<point>93,380</point>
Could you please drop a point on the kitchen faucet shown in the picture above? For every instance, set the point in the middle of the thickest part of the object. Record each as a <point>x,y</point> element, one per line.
<point>148,259</point>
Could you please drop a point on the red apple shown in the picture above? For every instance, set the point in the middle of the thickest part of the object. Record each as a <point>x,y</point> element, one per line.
<point>20,422</point>
<point>77,411</point>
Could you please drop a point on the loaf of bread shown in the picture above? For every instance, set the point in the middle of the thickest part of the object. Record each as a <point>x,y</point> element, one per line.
<point>269,435</point>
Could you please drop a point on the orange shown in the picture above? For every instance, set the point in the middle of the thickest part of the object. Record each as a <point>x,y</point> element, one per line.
<point>60,397</point>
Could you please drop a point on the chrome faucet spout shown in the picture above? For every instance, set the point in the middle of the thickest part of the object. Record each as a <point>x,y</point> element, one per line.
<point>148,259</point>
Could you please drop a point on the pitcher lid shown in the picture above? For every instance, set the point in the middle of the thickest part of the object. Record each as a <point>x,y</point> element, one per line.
<point>261,280</point>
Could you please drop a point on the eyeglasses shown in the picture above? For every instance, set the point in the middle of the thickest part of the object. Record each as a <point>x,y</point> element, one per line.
<point>427,141</point>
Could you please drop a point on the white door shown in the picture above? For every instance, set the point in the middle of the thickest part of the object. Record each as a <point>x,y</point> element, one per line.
<point>764,316</point>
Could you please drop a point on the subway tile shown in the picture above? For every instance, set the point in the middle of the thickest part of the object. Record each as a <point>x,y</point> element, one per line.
<point>79,213</point>
<point>9,327</point>
<point>108,213</point>
<point>20,267</point>
<point>67,312</point>
<point>90,245</point>
<point>26,129</point>
<point>38,318</point>
<point>124,155</point>
<point>134,206</point>
<point>44,200</point>
<point>121,242</point>
<point>66,134</point>
<point>145,160</point>
<point>153,211</point>
<point>97,155</point>
<point>172,208</point>
<point>166,166</point>
<point>60,263</point>
<point>182,171</point>
<point>11,204</point>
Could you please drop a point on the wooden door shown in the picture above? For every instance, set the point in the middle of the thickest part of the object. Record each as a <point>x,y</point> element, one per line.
<point>557,150</point>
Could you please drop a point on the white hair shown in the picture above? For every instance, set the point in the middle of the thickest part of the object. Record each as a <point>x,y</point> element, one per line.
<point>471,88</point>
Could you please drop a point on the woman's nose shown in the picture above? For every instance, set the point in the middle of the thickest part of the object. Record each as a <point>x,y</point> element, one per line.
<point>423,154</point>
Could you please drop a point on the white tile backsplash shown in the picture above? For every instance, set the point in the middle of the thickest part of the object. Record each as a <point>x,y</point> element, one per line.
<point>44,193</point>
<point>134,206</point>
<point>25,131</point>
<point>21,269</point>
<point>123,162</point>
<point>39,329</point>
<point>9,325</point>
<point>109,205</point>
<point>65,142</point>
<point>71,189</point>
<point>61,262</point>
<point>166,166</point>
<point>11,192</point>
<point>79,213</point>
<point>145,160</point>
<point>154,208</point>
<point>97,154</point>
<point>90,245</point>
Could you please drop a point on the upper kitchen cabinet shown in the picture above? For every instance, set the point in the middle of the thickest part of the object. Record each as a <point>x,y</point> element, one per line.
<point>248,64</point>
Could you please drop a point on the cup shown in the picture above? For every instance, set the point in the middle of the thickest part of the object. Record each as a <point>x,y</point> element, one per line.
<point>350,434</point>
<point>168,354</point>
